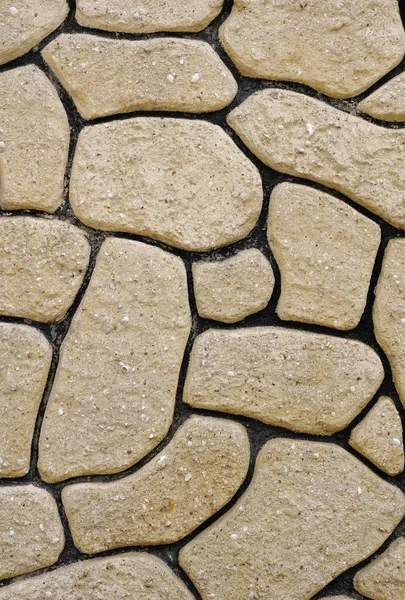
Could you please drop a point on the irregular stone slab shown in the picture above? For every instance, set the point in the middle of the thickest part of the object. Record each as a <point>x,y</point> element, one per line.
<point>191,479</point>
<point>386,103</point>
<point>134,575</point>
<point>311,512</point>
<point>303,381</point>
<point>147,16</point>
<point>325,251</point>
<point>25,358</point>
<point>31,533</point>
<point>379,437</point>
<point>384,578</point>
<point>24,23</point>
<point>106,77</point>
<point>113,396</point>
<point>324,45</point>
<point>42,267</point>
<point>229,290</point>
<point>186,183</point>
<point>364,161</point>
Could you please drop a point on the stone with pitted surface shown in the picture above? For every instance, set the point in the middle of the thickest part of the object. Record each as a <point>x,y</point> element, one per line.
<point>387,103</point>
<point>384,578</point>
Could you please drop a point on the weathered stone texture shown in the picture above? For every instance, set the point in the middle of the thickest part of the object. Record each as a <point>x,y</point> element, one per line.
<point>384,578</point>
<point>388,102</point>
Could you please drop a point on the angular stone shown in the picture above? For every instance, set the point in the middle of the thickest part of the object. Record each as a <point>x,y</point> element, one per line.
<point>43,263</point>
<point>303,381</point>
<point>229,290</point>
<point>106,77</point>
<point>25,358</point>
<point>24,23</point>
<point>34,141</point>
<point>31,533</point>
<point>191,479</point>
<point>147,16</point>
<point>182,182</point>
<point>379,437</point>
<point>387,103</point>
<point>325,251</point>
<point>134,575</point>
<point>311,512</point>
<point>113,396</point>
<point>338,48</point>
<point>384,578</point>
<point>298,135</point>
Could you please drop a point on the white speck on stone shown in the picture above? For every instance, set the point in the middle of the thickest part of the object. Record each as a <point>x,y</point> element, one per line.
<point>14,11</point>
<point>187,477</point>
<point>195,78</point>
<point>60,411</point>
<point>396,441</point>
<point>170,78</point>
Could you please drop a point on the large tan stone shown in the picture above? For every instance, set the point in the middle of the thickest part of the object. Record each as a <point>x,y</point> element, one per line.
<point>384,578</point>
<point>43,263</point>
<point>302,381</point>
<point>339,48</point>
<point>115,387</point>
<point>301,136</point>
<point>325,251</point>
<point>106,77</point>
<point>190,480</point>
<point>386,103</point>
<point>311,512</point>
<point>134,575</point>
<point>183,182</point>
<point>25,358</point>
<point>34,141</point>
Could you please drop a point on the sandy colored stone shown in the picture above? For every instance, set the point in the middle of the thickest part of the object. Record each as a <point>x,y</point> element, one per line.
<point>325,251</point>
<point>133,575</point>
<point>379,437</point>
<point>301,136</point>
<point>197,473</point>
<point>338,48</point>
<point>229,290</point>
<point>331,598</point>
<point>24,23</point>
<point>25,358</point>
<point>311,512</point>
<point>106,76</point>
<point>388,102</point>
<point>147,16</point>
<point>43,263</point>
<point>113,396</point>
<point>384,577</point>
<point>182,182</point>
<point>31,533</point>
<point>303,381</point>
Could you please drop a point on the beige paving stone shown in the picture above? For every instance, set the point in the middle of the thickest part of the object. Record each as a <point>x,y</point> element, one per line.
<point>183,182</point>
<point>31,533</point>
<point>43,263</point>
<point>190,480</point>
<point>24,23</point>
<point>106,77</point>
<point>34,141</point>
<point>25,358</point>
<point>229,290</point>
<point>311,512</point>
<point>147,16</point>
<point>338,48</point>
<point>114,391</point>
<point>331,598</point>
<point>325,251</point>
<point>386,103</point>
<point>298,135</point>
<point>134,575</point>
<point>384,577</point>
<point>379,437</point>
<point>303,381</point>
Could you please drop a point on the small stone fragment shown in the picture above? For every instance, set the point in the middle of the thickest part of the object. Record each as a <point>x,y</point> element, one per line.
<point>42,267</point>
<point>384,577</point>
<point>303,381</point>
<point>182,182</point>
<point>301,136</point>
<point>387,103</point>
<point>229,290</point>
<point>311,512</point>
<point>34,141</point>
<point>379,437</point>
<point>191,479</point>
<point>25,358</point>
<point>106,77</point>
<point>113,396</point>
<point>325,251</point>
<point>338,48</point>
<point>31,533</point>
